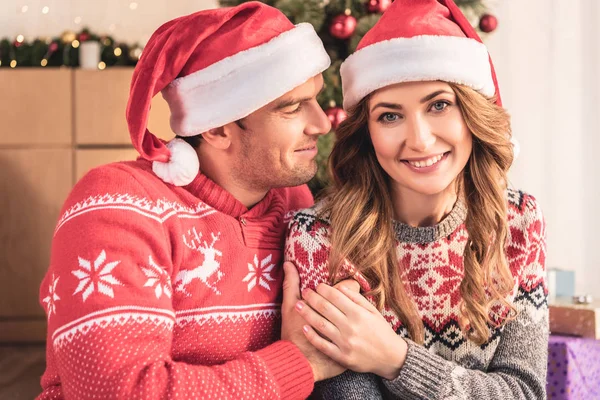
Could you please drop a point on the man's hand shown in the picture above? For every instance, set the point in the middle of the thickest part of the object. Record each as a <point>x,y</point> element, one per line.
<point>292,325</point>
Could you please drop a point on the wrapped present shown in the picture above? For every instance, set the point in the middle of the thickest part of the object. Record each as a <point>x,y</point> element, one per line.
<point>561,283</point>
<point>567,318</point>
<point>573,368</point>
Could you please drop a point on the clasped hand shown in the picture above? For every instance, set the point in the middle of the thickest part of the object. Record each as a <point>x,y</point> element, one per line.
<point>351,331</point>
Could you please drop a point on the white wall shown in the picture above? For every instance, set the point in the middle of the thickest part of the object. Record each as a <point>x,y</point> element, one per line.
<point>114,17</point>
<point>547,57</point>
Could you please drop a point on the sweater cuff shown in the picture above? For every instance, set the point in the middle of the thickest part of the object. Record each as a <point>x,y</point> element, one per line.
<point>290,369</point>
<point>421,377</point>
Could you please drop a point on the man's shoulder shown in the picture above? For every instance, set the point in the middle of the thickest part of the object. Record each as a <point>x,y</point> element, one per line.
<point>125,176</point>
<point>296,197</point>
<point>127,182</point>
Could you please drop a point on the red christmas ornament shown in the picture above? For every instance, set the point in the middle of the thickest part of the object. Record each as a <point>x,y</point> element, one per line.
<point>16,43</point>
<point>53,47</point>
<point>378,6</point>
<point>488,23</point>
<point>336,115</point>
<point>83,36</point>
<point>342,26</point>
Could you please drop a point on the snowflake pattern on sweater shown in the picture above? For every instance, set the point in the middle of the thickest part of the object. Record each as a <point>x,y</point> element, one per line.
<point>146,293</point>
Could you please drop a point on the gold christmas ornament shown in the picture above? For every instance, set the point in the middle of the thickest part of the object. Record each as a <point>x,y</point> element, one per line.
<point>67,37</point>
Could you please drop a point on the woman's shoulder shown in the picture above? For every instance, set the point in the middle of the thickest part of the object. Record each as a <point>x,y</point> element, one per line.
<point>523,209</point>
<point>312,219</point>
<point>307,245</point>
<point>526,240</point>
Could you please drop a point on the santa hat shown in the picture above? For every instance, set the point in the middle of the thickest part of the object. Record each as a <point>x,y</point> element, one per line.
<point>215,67</point>
<point>418,40</point>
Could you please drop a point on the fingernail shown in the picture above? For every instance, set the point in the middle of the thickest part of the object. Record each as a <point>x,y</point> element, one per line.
<point>299,306</point>
<point>305,328</point>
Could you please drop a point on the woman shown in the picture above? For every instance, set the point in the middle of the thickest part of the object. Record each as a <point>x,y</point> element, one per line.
<point>451,261</point>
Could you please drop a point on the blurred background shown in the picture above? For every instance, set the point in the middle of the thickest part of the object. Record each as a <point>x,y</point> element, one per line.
<point>65,68</point>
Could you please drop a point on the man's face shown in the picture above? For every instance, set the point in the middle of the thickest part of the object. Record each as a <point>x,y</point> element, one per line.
<point>278,144</point>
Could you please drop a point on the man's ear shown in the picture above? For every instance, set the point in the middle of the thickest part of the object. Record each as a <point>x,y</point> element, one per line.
<point>219,138</point>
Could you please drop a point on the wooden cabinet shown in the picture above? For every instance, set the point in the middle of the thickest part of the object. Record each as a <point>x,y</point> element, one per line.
<point>34,183</point>
<point>35,107</point>
<point>56,125</point>
<point>100,104</point>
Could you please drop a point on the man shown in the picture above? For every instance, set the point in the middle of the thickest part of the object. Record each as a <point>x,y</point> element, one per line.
<point>166,282</point>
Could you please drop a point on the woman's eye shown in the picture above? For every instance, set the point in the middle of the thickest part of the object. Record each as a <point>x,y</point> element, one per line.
<point>439,106</point>
<point>388,117</point>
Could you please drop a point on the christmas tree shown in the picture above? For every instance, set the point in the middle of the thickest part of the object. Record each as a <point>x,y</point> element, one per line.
<point>341,24</point>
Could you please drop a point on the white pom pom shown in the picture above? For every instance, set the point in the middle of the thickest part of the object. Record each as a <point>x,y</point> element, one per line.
<point>183,166</point>
<point>516,147</point>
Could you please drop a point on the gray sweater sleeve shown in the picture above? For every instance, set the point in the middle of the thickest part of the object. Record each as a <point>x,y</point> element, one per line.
<point>348,386</point>
<point>517,370</point>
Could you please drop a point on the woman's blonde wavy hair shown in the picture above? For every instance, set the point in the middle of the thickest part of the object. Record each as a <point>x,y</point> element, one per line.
<point>359,206</point>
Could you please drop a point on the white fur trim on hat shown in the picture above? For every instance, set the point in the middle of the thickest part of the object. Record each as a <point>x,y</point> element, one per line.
<point>236,86</point>
<point>516,147</point>
<point>421,58</point>
<point>182,167</point>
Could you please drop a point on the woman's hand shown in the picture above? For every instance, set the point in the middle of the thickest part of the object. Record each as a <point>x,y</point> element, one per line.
<point>360,338</point>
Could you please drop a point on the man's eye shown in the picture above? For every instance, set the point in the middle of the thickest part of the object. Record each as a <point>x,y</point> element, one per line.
<point>295,110</point>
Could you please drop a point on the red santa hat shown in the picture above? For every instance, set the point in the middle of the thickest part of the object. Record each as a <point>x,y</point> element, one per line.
<point>418,40</point>
<point>215,67</point>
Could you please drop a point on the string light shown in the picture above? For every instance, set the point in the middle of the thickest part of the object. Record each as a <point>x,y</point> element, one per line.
<point>24,9</point>
<point>44,62</point>
<point>13,63</point>
<point>77,20</point>
<point>135,53</point>
<point>133,5</point>
<point>101,65</point>
<point>20,38</point>
<point>75,43</point>
<point>118,51</point>
<point>45,10</point>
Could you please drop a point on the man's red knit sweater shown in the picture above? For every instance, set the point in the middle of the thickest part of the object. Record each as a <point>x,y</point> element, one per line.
<point>156,291</point>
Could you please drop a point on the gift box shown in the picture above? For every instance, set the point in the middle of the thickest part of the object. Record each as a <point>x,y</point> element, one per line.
<point>582,320</point>
<point>573,368</point>
<point>561,283</point>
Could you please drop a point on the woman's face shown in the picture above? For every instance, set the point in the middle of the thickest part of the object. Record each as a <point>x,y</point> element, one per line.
<point>419,135</point>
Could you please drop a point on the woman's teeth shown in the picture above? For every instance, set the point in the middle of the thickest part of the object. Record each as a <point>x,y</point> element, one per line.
<point>426,163</point>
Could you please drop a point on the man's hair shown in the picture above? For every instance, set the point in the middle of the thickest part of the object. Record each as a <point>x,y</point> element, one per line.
<point>195,141</point>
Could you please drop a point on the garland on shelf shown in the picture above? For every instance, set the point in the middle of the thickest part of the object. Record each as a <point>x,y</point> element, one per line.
<point>64,51</point>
